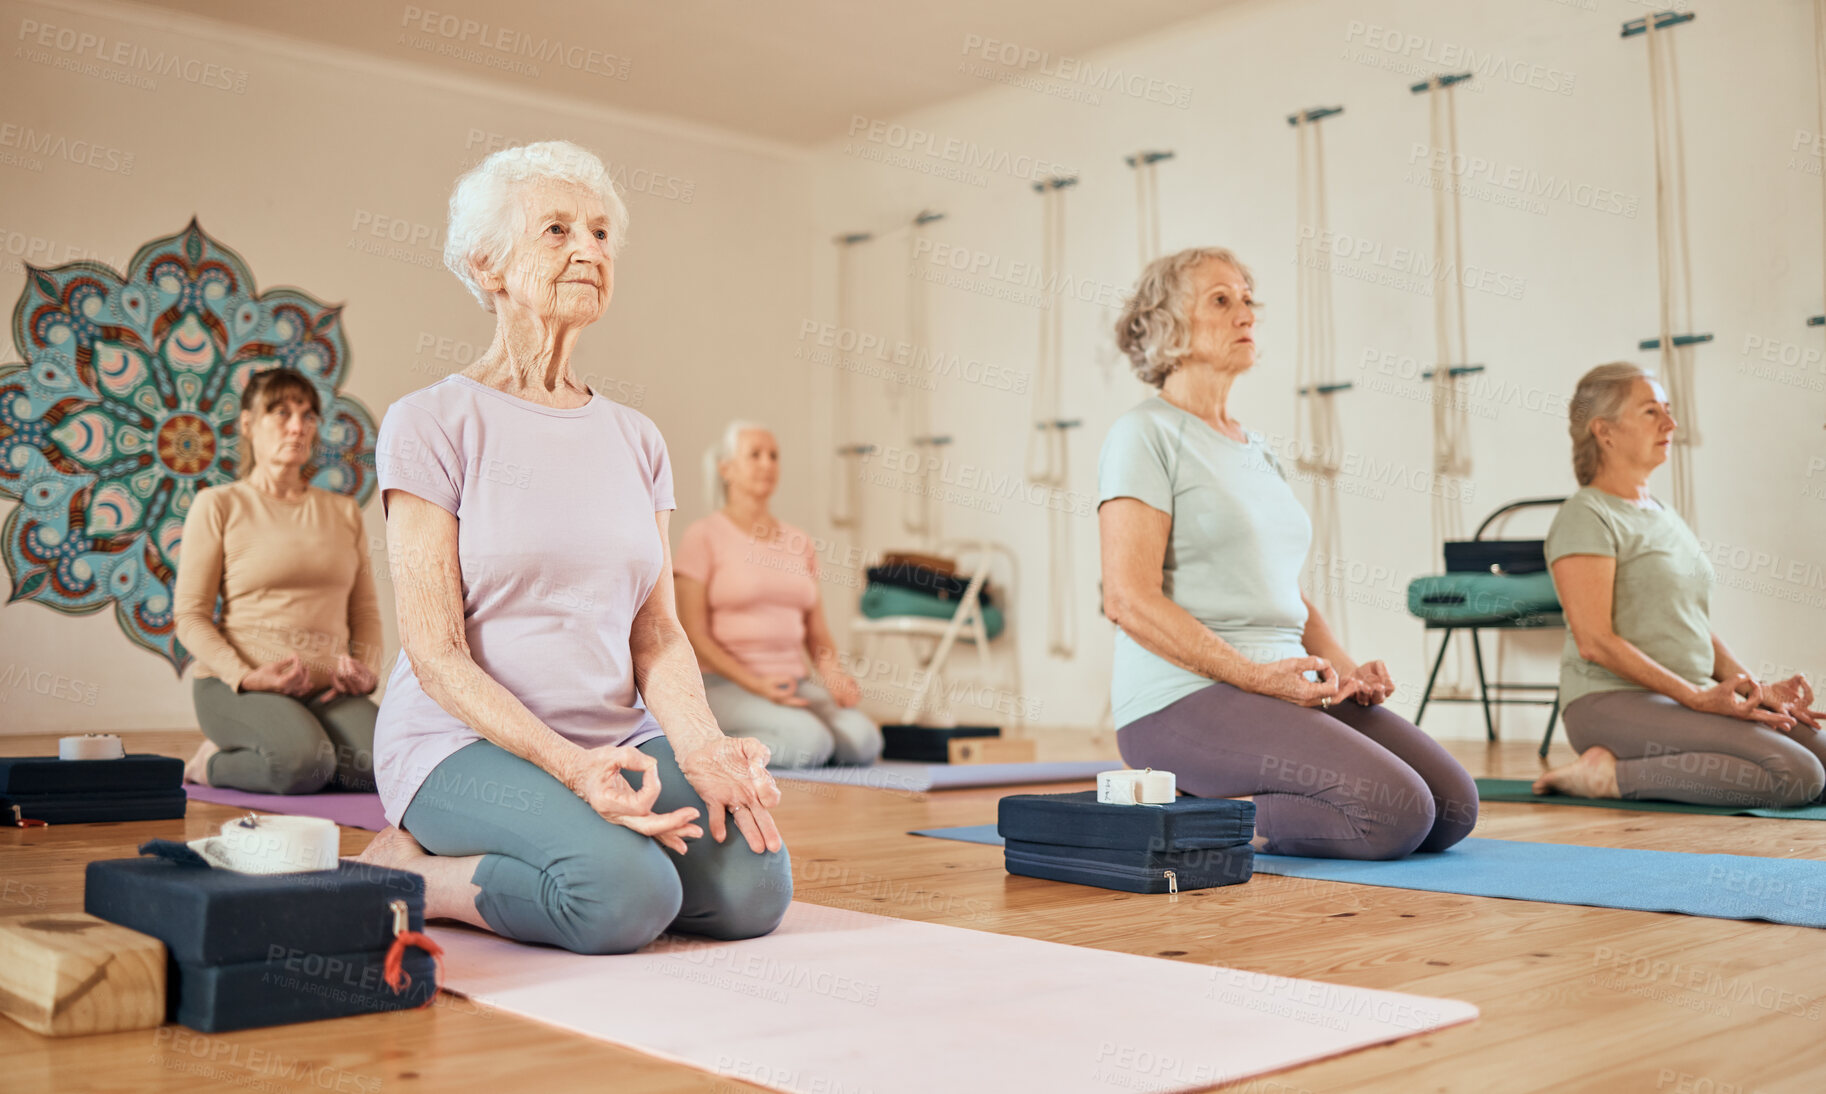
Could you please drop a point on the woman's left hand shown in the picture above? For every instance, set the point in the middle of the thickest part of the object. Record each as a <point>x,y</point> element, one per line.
<point>731,774</point>
<point>1793,697</point>
<point>843,688</point>
<point>1372,681</point>
<point>351,677</point>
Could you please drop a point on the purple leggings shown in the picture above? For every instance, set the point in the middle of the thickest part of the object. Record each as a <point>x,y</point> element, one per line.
<point>1351,781</point>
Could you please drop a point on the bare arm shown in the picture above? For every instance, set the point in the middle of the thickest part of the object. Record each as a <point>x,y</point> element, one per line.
<point>364,608</point>
<point>665,662</point>
<point>820,646</point>
<point>428,587</point>
<point>694,614</point>
<point>1133,537</point>
<point>1586,585</point>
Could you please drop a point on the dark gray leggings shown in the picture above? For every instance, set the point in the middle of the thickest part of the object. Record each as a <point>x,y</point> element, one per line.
<point>1351,781</point>
<point>275,744</point>
<point>1665,751</point>
<point>554,871</point>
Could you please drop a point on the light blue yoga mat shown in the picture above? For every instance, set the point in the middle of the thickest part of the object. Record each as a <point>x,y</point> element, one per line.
<point>906,776</point>
<point>1780,890</point>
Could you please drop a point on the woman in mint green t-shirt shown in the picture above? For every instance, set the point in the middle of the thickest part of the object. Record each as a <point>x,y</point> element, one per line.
<point>1224,673</point>
<point>1653,701</point>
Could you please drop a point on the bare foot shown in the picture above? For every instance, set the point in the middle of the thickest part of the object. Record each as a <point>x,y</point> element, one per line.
<point>1592,775</point>
<point>196,770</point>
<point>393,848</point>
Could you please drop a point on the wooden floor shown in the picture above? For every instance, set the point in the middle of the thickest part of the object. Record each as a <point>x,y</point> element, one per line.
<point>1573,998</point>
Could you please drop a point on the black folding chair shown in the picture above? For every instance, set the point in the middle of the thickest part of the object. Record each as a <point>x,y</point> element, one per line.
<point>1485,688</point>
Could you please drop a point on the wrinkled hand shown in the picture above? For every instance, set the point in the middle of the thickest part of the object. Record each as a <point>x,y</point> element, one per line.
<point>1738,696</point>
<point>1793,697</point>
<point>1286,680</point>
<point>731,774</point>
<point>1372,682</point>
<point>351,677</point>
<point>286,677</point>
<point>843,688</point>
<point>596,777</point>
<point>780,689</point>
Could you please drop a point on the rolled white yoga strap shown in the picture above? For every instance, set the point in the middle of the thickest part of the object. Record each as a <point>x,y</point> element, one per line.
<point>257,844</point>
<point>90,746</point>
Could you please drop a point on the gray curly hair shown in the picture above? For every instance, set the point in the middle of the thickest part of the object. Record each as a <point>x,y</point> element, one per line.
<point>484,212</point>
<point>1155,330</point>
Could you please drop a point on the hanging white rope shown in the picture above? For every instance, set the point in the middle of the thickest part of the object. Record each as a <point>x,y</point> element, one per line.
<point>847,472</point>
<point>1451,417</point>
<point>1674,263</point>
<point>1819,60</point>
<point>1318,442</point>
<point>1048,453</point>
<point>1147,203</point>
<point>919,516</point>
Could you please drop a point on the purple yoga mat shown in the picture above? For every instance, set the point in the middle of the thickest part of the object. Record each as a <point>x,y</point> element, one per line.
<point>353,810</point>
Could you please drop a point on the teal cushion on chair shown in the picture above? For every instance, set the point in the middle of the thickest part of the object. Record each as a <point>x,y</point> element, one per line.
<point>881,601</point>
<point>1475,597</point>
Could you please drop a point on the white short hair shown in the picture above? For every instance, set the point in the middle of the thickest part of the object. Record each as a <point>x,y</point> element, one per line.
<point>1155,329</point>
<point>485,213</point>
<point>716,491</point>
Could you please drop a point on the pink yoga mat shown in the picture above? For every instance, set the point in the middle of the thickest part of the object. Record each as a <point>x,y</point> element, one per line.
<point>836,1000</point>
<point>353,810</point>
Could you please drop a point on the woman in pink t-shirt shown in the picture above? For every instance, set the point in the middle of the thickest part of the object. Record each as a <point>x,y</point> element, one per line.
<point>748,597</point>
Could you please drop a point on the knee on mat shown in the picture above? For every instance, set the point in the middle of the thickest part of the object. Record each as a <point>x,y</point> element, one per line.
<point>302,769</point>
<point>858,739</point>
<point>601,906</point>
<point>1395,823</point>
<point>1795,783</point>
<point>750,896</point>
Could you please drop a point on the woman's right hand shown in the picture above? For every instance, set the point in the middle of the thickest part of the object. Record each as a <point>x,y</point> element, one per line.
<point>287,677</point>
<point>596,777</point>
<point>779,689</point>
<point>1737,696</point>
<point>1286,680</point>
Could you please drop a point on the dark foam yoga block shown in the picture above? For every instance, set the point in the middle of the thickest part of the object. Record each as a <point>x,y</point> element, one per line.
<point>1080,820</point>
<point>293,986</point>
<point>219,917</point>
<point>28,775</point>
<point>1131,871</point>
<point>89,807</point>
<point>927,744</point>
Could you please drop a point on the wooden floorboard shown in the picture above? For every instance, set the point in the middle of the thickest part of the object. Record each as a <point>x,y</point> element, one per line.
<point>1573,999</point>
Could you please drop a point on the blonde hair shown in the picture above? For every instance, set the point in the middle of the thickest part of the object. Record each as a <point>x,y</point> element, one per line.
<point>1598,398</point>
<point>1155,330</point>
<point>716,491</point>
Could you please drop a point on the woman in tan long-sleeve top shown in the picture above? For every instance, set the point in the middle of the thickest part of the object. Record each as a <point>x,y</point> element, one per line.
<point>284,674</point>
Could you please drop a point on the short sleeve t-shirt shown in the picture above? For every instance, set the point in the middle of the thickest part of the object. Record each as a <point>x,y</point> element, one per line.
<point>1661,597</point>
<point>757,588</point>
<point>1238,541</point>
<point>558,548</point>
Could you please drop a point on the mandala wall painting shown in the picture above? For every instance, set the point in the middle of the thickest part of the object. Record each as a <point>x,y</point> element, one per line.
<point>125,407</point>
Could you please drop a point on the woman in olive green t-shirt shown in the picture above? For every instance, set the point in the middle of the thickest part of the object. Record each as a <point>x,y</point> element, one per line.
<point>1654,702</point>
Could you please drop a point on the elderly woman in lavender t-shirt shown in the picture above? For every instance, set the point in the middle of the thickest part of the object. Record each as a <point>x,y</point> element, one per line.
<point>544,749</point>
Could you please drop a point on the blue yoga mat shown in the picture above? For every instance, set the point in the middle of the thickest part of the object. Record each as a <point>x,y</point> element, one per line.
<point>1780,890</point>
<point>909,777</point>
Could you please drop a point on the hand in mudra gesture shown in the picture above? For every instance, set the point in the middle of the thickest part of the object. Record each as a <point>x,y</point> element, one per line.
<point>597,777</point>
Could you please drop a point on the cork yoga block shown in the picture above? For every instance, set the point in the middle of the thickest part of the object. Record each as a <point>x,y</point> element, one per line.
<point>65,973</point>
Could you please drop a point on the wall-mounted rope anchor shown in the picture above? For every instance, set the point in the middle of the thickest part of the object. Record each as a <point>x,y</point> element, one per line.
<point>1327,389</point>
<point>1440,81</point>
<point>1663,20</point>
<point>1314,114</point>
<point>1679,340</point>
<point>1453,372</point>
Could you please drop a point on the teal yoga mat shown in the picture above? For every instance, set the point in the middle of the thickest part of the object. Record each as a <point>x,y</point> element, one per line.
<point>1517,790</point>
<point>1780,890</point>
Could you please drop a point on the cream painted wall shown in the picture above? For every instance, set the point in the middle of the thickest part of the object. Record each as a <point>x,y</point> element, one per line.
<point>311,171</point>
<point>1558,99</point>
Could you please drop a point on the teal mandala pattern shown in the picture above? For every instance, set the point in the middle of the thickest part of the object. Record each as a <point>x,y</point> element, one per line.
<point>126,406</point>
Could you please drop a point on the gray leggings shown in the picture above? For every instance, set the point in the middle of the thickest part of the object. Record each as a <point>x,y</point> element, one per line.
<point>818,733</point>
<point>275,744</point>
<point>1665,751</point>
<point>1352,781</point>
<point>554,871</point>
